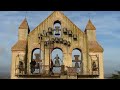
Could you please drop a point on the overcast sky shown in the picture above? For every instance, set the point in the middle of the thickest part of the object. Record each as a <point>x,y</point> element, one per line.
<point>107,24</point>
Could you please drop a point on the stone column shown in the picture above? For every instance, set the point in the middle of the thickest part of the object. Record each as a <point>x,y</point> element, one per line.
<point>84,63</point>
<point>47,60</point>
<point>101,66</point>
<point>67,60</point>
<point>13,66</point>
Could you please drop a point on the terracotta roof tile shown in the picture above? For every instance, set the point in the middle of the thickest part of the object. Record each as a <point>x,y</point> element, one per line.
<point>20,45</point>
<point>90,26</point>
<point>24,24</point>
<point>94,46</point>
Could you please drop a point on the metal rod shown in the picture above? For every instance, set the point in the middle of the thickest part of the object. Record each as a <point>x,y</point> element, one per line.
<point>40,52</point>
<point>44,58</point>
<point>49,53</point>
<point>15,64</point>
<point>98,64</point>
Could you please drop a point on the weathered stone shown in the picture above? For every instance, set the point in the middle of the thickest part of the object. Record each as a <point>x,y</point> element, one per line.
<point>71,37</point>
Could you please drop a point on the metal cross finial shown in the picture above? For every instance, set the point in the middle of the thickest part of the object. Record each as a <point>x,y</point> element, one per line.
<point>25,14</point>
<point>89,15</point>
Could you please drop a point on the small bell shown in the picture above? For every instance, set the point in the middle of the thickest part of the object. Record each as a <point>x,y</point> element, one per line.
<point>75,37</point>
<point>64,30</point>
<point>76,65</point>
<point>68,43</point>
<point>70,33</point>
<point>52,40</point>
<point>65,42</point>
<point>50,30</point>
<point>45,43</point>
<point>44,32</point>
<point>56,40</point>
<point>61,40</point>
<point>40,36</point>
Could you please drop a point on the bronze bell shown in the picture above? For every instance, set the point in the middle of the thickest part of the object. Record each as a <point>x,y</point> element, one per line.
<point>77,65</point>
<point>52,40</point>
<point>50,30</point>
<point>65,30</point>
<point>68,43</point>
<point>56,40</point>
<point>70,33</point>
<point>61,40</point>
<point>45,43</point>
<point>40,36</point>
<point>75,37</point>
<point>76,57</point>
<point>57,30</point>
<point>65,42</point>
<point>44,33</point>
<point>94,66</point>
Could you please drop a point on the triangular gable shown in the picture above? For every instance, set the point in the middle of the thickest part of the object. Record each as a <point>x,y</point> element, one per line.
<point>58,15</point>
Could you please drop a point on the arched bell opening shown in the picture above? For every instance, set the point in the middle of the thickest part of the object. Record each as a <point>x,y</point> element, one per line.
<point>77,59</point>
<point>57,28</point>
<point>36,61</point>
<point>57,60</point>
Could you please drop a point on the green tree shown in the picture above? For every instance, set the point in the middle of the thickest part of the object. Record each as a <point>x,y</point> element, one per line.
<point>115,76</point>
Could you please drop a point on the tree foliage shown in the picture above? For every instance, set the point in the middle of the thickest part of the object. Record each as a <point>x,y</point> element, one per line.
<point>116,76</point>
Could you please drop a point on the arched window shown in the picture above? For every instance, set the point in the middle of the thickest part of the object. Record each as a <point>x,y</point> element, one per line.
<point>76,59</point>
<point>37,51</point>
<point>57,23</point>
<point>57,59</point>
<point>57,28</point>
<point>36,56</point>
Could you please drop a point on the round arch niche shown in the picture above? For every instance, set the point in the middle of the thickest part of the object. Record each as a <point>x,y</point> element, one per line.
<point>76,59</point>
<point>35,55</point>
<point>36,51</point>
<point>57,28</point>
<point>57,52</point>
<point>57,23</point>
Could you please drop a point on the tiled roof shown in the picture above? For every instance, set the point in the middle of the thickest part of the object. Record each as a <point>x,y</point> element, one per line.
<point>20,45</point>
<point>24,24</point>
<point>90,26</point>
<point>94,46</point>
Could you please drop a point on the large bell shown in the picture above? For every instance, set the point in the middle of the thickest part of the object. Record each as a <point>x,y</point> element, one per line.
<point>77,65</point>
<point>37,56</point>
<point>57,30</point>
<point>57,33</point>
<point>76,57</point>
